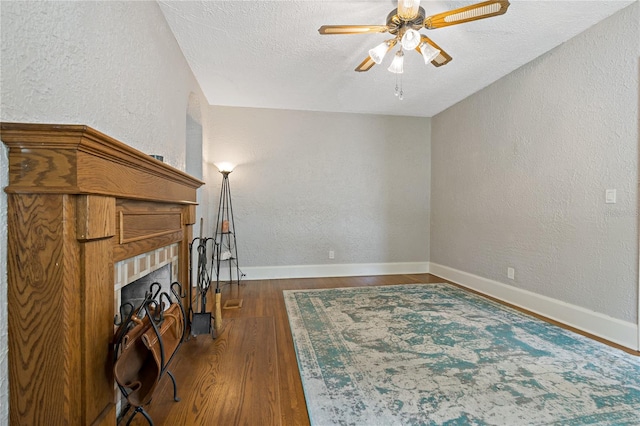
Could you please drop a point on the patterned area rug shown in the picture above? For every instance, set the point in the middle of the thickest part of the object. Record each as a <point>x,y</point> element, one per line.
<point>433,354</point>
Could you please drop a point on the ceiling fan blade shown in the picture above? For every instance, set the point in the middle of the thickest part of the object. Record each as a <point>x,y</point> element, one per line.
<point>443,57</point>
<point>365,65</point>
<point>474,12</point>
<point>352,29</point>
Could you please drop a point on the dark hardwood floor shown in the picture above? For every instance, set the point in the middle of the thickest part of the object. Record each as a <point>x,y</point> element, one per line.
<point>249,374</point>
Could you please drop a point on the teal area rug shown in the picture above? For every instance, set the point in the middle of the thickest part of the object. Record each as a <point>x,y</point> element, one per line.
<point>433,354</point>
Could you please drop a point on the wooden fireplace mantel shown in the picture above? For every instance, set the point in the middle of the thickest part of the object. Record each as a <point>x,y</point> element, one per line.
<point>76,159</point>
<point>77,202</point>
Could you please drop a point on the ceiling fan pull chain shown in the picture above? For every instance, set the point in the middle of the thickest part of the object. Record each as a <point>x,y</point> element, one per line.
<point>399,92</point>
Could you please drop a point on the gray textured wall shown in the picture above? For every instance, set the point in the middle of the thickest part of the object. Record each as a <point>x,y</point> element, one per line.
<point>519,172</point>
<point>309,182</point>
<point>112,65</point>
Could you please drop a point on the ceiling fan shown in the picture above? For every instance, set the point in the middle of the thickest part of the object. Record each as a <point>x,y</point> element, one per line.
<point>405,21</point>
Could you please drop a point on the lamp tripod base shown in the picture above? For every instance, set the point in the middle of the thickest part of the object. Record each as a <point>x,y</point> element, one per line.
<point>233,304</point>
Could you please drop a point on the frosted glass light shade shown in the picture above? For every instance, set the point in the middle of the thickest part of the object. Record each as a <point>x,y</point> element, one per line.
<point>397,66</point>
<point>225,167</point>
<point>377,53</point>
<point>429,53</point>
<point>410,39</point>
<point>408,9</point>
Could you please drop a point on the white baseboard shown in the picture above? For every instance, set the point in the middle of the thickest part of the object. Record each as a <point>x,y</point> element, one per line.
<point>621,332</point>
<point>334,270</point>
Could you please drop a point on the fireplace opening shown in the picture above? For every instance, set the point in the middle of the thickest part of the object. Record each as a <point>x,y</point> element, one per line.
<point>160,265</point>
<point>136,291</point>
<point>133,278</point>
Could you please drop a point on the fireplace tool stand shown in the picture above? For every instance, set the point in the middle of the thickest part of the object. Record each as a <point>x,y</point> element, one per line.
<point>199,317</point>
<point>145,343</point>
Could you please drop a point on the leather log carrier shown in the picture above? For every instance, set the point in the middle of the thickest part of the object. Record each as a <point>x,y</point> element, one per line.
<point>145,344</point>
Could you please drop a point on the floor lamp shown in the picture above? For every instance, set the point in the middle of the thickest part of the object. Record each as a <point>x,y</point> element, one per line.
<point>226,251</point>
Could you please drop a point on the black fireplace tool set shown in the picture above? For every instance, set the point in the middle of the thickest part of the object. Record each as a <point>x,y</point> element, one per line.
<point>199,316</point>
<point>223,249</point>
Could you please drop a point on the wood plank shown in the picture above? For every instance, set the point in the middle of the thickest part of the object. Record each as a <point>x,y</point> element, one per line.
<point>144,225</point>
<point>96,217</point>
<point>134,248</point>
<point>97,291</point>
<point>44,322</point>
<point>149,226</point>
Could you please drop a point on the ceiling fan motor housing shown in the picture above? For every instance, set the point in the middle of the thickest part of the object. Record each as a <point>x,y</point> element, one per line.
<point>397,25</point>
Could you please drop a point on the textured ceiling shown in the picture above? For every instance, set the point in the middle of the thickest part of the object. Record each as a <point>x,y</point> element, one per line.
<point>268,54</point>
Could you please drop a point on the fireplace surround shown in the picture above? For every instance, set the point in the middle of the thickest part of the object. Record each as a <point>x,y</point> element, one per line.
<point>78,202</point>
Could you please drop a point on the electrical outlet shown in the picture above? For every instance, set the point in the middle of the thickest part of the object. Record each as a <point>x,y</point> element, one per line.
<point>332,254</point>
<point>511,273</point>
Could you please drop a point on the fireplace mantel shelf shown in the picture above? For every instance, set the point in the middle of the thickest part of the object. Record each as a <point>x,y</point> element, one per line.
<point>77,202</point>
<point>76,159</point>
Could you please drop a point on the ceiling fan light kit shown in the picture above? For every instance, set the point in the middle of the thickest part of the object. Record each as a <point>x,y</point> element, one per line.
<point>410,39</point>
<point>397,65</point>
<point>405,22</point>
<point>429,53</point>
<point>378,53</point>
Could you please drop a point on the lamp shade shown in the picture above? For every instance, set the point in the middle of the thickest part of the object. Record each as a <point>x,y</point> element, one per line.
<point>410,39</point>
<point>397,66</point>
<point>408,9</point>
<point>377,53</point>
<point>225,167</point>
<point>429,53</point>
